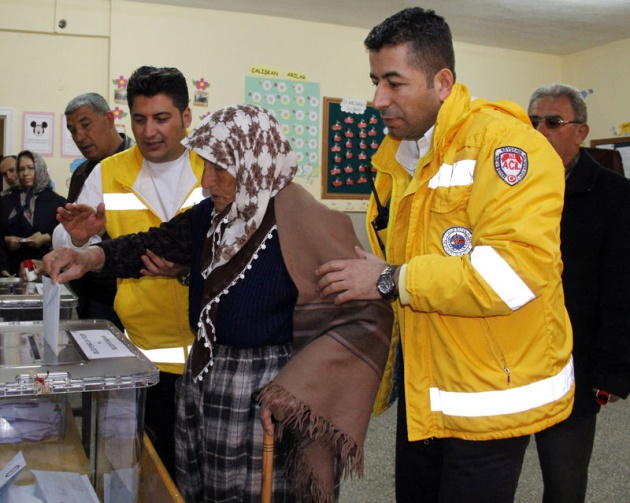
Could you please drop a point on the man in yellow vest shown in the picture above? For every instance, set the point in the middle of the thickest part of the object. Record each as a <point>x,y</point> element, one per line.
<point>467,206</point>
<point>130,192</point>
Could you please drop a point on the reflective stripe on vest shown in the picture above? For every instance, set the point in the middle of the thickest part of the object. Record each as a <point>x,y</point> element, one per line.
<point>120,201</point>
<point>494,403</point>
<point>501,277</point>
<point>166,355</point>
<point>452,175</point>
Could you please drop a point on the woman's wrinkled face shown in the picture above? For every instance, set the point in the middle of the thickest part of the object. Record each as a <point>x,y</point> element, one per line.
<point>26,172</point>
<point>220,184</point>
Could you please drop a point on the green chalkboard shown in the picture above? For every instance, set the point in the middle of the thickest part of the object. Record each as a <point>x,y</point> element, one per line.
<point>351,137</point>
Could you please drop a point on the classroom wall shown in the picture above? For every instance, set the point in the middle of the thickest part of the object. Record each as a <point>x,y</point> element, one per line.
<point>49,65</point>
<point>604,74</point>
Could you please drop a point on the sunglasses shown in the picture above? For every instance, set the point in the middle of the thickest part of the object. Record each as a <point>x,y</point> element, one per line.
<point>551,121</point>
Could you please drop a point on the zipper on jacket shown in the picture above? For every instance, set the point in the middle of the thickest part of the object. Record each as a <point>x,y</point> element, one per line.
<point>501,355</point>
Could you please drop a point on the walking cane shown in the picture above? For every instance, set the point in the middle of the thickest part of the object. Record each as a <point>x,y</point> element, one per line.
<point>267,468</point>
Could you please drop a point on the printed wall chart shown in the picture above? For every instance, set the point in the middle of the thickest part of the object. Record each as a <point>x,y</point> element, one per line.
<point>296,106</point>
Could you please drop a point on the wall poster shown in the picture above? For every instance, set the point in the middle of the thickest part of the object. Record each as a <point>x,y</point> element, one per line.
<point>295,104</point>
<point>37,132</point>
<point>352,132</point>
<point>68,147</point>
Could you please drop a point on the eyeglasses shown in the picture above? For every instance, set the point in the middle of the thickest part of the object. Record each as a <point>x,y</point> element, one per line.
<point>551,121</point>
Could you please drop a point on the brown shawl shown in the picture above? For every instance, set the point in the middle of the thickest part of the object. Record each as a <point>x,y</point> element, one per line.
<point>323,398</point>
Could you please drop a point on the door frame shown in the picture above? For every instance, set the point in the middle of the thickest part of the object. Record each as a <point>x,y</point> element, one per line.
<point>8,114</point>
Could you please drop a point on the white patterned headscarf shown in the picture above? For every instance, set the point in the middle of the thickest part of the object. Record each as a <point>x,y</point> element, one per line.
<point>248,142</point>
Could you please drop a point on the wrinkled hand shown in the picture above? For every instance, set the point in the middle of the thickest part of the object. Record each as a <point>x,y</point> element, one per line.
<point>38,267</point>
<point>81,221</point>
<point>13,242</point>
<point>65,264</point>
<point>351,279</point>
<point>158,266</point>
<point>267,420</point>
<point>38,240</point>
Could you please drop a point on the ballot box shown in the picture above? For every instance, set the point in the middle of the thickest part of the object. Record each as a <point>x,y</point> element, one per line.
<point>23,301</point>
<point>71,413</point>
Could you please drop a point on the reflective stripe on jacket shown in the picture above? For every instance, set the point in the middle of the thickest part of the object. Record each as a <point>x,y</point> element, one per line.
<point>486,340</point>
<point>154,310</point>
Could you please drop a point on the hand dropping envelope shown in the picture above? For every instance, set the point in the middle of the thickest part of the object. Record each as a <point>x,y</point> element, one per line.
<point>52,297</point>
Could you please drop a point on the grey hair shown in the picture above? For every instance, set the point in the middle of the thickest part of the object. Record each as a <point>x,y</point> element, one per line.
<point>563,90</point>
<point>95,101</point>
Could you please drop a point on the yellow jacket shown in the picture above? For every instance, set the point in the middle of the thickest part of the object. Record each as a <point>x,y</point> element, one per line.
<point>486,339</point>
<point>154,310</point>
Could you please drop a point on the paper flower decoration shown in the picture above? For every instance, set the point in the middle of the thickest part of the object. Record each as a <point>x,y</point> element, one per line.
<point>119,113</point>
<point>201,84</point>
<point>121,82</point>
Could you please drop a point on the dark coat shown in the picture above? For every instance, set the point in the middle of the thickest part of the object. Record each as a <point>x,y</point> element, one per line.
<point>595,241</point>
<point>44,221</point>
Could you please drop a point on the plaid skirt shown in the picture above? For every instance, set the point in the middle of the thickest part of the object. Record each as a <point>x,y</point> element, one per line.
<point>218,434</point>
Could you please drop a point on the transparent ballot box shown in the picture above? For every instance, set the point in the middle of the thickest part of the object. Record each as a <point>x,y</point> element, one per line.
<point>71,419</point>
<point>23,301</point>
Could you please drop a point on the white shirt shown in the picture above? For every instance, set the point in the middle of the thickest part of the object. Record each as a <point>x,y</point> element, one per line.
<point>410,152</point>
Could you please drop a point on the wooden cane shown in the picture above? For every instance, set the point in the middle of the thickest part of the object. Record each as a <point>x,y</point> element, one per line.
<point>267,468</point>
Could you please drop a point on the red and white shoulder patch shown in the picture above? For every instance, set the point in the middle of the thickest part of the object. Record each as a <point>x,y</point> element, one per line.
<point>511,164</point>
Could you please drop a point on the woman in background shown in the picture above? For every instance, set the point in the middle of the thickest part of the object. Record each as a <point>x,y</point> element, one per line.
<point>29,215</point>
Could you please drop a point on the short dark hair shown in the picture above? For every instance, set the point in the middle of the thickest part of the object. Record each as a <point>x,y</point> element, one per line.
<point>95,101</point>
<point>428,35</point>
<point>149,81</point>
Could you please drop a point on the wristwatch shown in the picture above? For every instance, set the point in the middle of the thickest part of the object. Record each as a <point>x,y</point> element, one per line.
<point>386,285</point>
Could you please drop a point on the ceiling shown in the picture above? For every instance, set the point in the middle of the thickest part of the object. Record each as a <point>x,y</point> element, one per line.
<point>545,26</point>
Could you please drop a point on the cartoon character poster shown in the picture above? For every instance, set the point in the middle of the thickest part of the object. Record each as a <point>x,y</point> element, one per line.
<point>296,106</point>
<point>37,132</point>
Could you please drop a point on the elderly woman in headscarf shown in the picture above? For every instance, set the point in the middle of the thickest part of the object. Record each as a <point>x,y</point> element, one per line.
<point>266,338</point>
<point>29,215</point>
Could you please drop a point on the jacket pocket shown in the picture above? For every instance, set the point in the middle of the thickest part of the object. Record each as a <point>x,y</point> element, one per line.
<point>449,199</point>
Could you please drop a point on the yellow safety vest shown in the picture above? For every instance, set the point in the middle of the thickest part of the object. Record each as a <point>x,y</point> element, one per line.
<point>154,310</point>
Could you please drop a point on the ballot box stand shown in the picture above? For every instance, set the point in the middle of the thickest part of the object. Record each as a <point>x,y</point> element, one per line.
<point>74,413</point>
<point>23,301</point>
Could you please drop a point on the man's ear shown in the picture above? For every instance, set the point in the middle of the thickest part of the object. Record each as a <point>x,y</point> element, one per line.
<point>109,117</point>
<point>443,82</point>
<point>582,133</point>
<point>187,117</point>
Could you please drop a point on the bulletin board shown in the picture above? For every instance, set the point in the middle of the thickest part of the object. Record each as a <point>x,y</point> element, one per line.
<point>351,137</point>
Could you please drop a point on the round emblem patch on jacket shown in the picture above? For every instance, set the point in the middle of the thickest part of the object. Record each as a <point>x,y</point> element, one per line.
<point>510,164</point>
<point>457,241</point>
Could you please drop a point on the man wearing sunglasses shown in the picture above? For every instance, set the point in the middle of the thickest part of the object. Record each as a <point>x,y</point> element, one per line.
<point>596,280</point>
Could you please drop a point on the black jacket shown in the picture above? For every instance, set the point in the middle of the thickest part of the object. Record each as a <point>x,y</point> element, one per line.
<point>44,221</point>
<point>595,243</point>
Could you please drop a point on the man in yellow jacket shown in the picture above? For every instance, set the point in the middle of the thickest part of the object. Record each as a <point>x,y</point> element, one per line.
<point>465,223</point>
<point>130,192</point>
